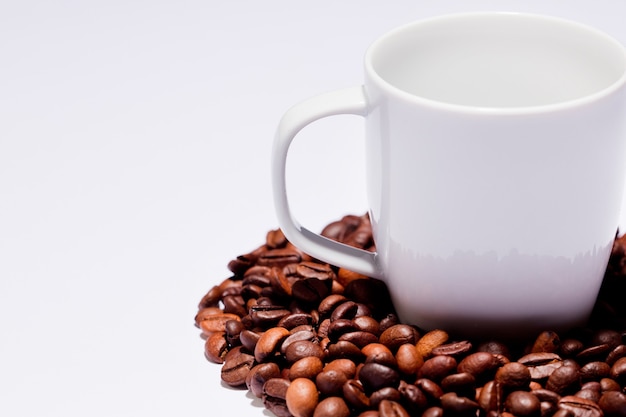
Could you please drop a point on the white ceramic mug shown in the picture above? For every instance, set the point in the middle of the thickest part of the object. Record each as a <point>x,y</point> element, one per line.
<point>495,155</point>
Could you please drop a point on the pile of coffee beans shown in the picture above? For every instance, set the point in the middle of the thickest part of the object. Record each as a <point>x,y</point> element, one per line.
<point>313,340</point>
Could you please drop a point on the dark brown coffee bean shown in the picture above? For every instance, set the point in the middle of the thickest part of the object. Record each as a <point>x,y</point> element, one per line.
<point>275,239</point>
<point>513,376</point>
<point>344,349</point>
<point>594,371</point>
<point>249,339</point>
<point>397,335</point>
<point>274,393</point>
<point>386,393</point>
<point>279,257</point>
<point>433,412</point>
<point>338,327</point>
<point>456,349</point>
<point>269,343</point>
<point>375,376</point>
<point>267,316</point>
<point>430,388</point>
<point>330,382</point>
<point>589,394</point>
<point>329,303</point>
<point>332,407</point>
<point>216,347</point>
<point>579,407</point>
<point>367,324</point>
<point>302,349</point>
<point>306,335</point>
<point>344,311</point>
<point>571,347</point>
<point>523,404</point>
<point>463,384</point>
<point>494,347</point>
<point>307,367</point>
<point>373,293</point>
<point>314,270</point>
<point>564,380</point>
<point>240,265</point>
<point>546,395</point>
<point>437,368</point>
<point>609,337</point>
<point>413,398</point>
<point>259,375</point>
<point>237,364</point>
<point>482,365</point>
<point>452,403</point>
<point>541,365</point>
<point>359,338</point>
<point>618,352</point>
<point>294,320</point>
<point>613,404</point>
<point>310,291</point>
<point>234,304</point>
<point>593,353</point>
<point>302,397</point>
<point>618,371</point>
<point>389,408</point>
<point>609,384</point>
<point>233,329</point>
<point>354,394</point>
<point>490,397</point>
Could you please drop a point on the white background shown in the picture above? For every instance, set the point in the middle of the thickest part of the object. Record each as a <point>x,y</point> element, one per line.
<point>135,140</point>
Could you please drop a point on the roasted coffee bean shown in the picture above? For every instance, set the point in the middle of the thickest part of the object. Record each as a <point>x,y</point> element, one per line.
<point>547,341</point>
<point>571,347</point>
<point>233,329</point>
<point>589,394</point>
<point>463,384</point>
<point>314,270</point>
<point>310,290</point>
<point>490,397</point>
<point>433,412</point>
<point>269,343</point>
<point>482,365</point>
<point>373,293</point>
<point>338,327</point>
<point>452,403</point>
<point>275,239</point>
<point>430,341</point>
<point>397,335</point>
<point>330,382</point>
<point>618,352</point>
<point>304,335</point>
<point>274,394</point>
<point>542,364</point>
<point>430,388</point>
<point>216,322</point>
<point>438,367</point>
<point>302,397</point>
<point>307,367</point>
<point>332,407</point>
<point>594,371</point>
<point>413,398</point>
<point>367,324</point>
<point>344,311</point>
<point>593,353</point>
<point>279,257</point>
<point>564,380</point>
<point>389,408</point>
<point>386,393</point>
<point>618,371</point>
<point>345,349</point>
<point>609,384</point>
<point>216,347</point>
<point>513,375</point>
<point>249,339</point>
<point>329,303</point>
<point>613,403</point>
<point>375,376</point>
<point>494,347</point>
<point>408,359</point>
<point>523,404</point>
<point>579,407</point>
<point>345,366</point>
<point>456,349</point>
<point>259,375</point>
<point>545,395</point>
<point>237,364</point>
<point>379,353</point>
<point>302,349</point>
<point>354,394</point>
<point>265,316</point>
<point>294,320</point>
<point>359,338</point>
<point>609,337</point>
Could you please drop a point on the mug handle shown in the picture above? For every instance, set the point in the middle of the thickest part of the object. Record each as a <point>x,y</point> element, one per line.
<point>347,101</point>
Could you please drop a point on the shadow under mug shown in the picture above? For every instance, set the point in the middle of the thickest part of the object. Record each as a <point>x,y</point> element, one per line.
<point>495,151</point>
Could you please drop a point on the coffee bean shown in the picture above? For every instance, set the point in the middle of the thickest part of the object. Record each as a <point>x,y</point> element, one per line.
<point>216,347</point>
<point>580,407</point>
<point>389,408</point>
<point>303,349</point>
<point>375,376</point>
<point>618,352</point>
<point>455,349</point>
<point>330,382</point>
<point>513,375</point>
<point>216,322</point>
<point>307,367</point>
<point>463,384</point>
<point>541,365</point>
<point>249,339</point>
<point>259,375</point>
<point>345,349</point>
<point>274,394</point>
<point>332,407</point>
<point>344,311</point>
<point>354,394</point>
<point>359,338</point>
<point>490,397</point>
<point>594,371</point>
<point>413,398</point>
<point>613,403</point>
<point>237,364</point>
<point>345,366</point>
<point>564,380</point>
<point>430,388</point>
<point>279,257</point>
<point>315,270</point>
<point>397,335</point>
<point>547,341</point>
<point>302,397</point>
<point>571,347</point>
<point>523,404</point>
<point>452,403</point>
<point>409,359</point>
<point>438,367</point>
<point>609,384</point>
<point>386,393</point>
<point>269,343</point>
<point>433,412</point>
<point>482,365</point>
<point>618,371</point>
<point>430,341</point>
<point>379,353</point>
<point>310,290</point>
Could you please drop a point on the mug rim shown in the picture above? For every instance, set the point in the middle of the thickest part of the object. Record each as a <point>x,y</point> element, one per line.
<point>373,75</point>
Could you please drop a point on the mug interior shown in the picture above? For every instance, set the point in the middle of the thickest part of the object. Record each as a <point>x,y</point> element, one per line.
<point>497,60</point>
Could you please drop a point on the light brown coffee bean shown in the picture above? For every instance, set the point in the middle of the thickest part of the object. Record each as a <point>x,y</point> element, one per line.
<point>332,407</point>
<point>237,365</point>
<point>269,343</point>
<point>216,347</point>
<point>302,397</point>
<point>307,367</point>
<point>389,408</point>
<point>437,368</point>
<point>409,359</point>
<point>430,341</point>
